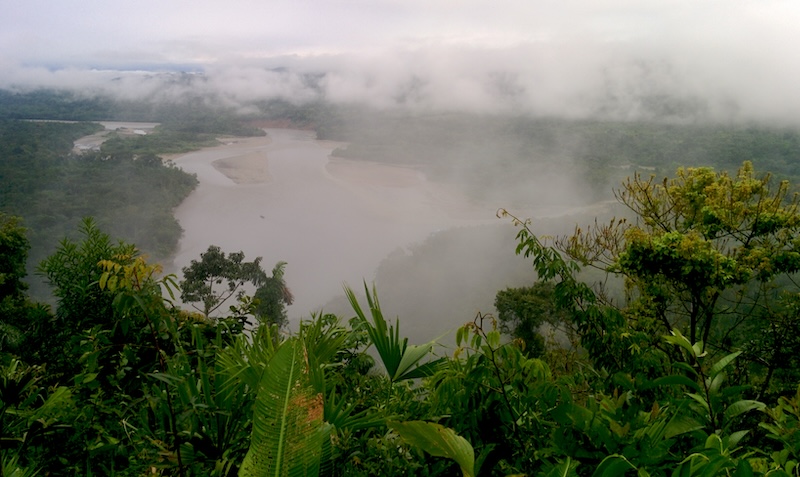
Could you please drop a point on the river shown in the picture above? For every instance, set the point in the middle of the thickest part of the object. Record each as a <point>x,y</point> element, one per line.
<point>282,197</point>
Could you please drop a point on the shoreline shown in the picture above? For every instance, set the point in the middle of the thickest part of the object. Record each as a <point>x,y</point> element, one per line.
<point>249,164</point>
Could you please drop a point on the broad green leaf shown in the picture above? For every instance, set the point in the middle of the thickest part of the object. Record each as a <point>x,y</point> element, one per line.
<point>686,367</point>
<point>713,467</point>
<point>438,441</point>
<point>674,381</point>
<point>288,432</point>
<point>425,370</point>
<point>740,407</point>
<point>613,466</point>
<point>412,355</point>
<point>700,399</point>
<point>677,338</point>
<point>743,469</point>
<point>713,441</point>
<point>732,440</point>
<point>684,469</point>
<point>565,468</point>
<point>681,425</point>
<point>716,382</point>
<point>722,363</point>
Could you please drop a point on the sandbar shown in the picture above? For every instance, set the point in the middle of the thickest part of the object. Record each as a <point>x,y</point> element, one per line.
<point>250,168</point>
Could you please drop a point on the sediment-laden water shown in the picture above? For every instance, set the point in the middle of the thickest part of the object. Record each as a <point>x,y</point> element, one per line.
<point>283,198</point>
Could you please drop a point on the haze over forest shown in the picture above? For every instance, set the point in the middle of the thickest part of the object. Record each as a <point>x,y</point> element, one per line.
<point>538,107</point>
<point>401,144</point>
<point>619,59</point>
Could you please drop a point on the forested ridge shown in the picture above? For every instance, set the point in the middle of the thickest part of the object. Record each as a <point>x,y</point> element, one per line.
<point>661,342</point>
<point>693,373</point>
<point>125,185</point>
<point>486,152</point>
<point>52,188</point>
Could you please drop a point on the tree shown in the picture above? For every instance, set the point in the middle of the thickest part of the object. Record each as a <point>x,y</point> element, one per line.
<point>73,271</point>
<point>202,280</point>
<point>14,247</point>
<point>703,234</point>
<point>705,253</point>
<point>272,298</point>
<point>522,312</point>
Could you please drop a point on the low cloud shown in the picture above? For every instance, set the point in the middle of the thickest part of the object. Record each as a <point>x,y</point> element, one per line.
<point>576,79</point>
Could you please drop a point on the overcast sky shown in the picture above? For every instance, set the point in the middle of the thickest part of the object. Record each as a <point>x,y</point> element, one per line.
<point>572,56</point>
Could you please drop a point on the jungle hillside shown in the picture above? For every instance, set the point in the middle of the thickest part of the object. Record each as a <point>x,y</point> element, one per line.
<point>661,340</point>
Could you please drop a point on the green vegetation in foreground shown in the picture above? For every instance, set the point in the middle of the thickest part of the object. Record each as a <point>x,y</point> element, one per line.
<point>690,373</point>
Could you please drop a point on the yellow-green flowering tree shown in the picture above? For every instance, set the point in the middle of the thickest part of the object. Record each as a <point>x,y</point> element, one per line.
<point>706,252</point>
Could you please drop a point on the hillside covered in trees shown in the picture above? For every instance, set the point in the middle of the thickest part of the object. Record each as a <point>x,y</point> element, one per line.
<point>661,342</point>
<point>694,373</point>
<point>125,185</point>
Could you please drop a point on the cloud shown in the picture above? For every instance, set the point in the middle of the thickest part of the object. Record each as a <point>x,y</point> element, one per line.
<point>618,58</point>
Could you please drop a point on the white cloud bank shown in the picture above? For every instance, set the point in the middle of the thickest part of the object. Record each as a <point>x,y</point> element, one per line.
<point>621,58</point>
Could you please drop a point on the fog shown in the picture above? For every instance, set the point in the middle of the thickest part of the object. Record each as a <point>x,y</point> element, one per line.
<point>432,68</point>
<point>333,221</point>
<point>436,255</point>
<point>717,59</point>
<point>280,201</point>
<point>572,79</point>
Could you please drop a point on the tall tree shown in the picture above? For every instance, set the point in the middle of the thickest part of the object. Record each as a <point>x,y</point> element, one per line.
<point>272,297</point>
<point>523,311</point>
<point>74,271</point>
<point>216,277</point>
<point>705,253</point>
<point>14,247</point>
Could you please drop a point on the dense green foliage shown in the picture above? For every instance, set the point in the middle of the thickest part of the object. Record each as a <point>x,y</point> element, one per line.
<point>217,277</point>
<point>14,247</point>
<point>676,357</point>
<point>52,189</point>
<point>522,312</point>
<point>55,105</point>
<point>188,114</point>
<point>711,254</point>
<point>131,385</point>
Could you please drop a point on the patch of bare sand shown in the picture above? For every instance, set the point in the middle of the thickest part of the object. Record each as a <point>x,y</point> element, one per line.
<point>247,168</point>
<point>227,143</point>
<point>251,168</point>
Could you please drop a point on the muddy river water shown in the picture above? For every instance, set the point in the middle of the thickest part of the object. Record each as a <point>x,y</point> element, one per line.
<point>282,197</point>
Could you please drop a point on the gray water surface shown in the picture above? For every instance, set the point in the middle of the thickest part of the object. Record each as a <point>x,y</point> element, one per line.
<point>331,224</point>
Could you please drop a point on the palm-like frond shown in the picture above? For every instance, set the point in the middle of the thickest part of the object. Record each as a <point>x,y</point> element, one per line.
<point>323,337</point>
<point>343,415</point>
<point>288,429</point>
<point>400,359</point>
<point>246,360</point>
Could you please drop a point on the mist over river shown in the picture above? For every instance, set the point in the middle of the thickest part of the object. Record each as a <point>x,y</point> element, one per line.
<point>282,197</point>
